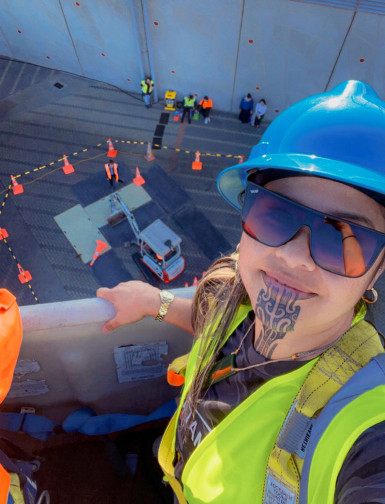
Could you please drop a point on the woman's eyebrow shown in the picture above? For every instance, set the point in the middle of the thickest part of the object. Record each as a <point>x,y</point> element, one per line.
<point>361,219</point>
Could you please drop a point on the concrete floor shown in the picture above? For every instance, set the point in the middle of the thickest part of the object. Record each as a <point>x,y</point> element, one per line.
<point>45,114</point>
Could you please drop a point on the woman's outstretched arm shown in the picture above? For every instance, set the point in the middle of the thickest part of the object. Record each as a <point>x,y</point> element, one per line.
<point>135,299</point>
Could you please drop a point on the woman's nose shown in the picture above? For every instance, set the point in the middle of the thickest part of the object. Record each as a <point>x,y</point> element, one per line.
<point>296,252</point>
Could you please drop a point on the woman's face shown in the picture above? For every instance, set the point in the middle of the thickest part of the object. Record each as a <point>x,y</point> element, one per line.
<point>313,299</point>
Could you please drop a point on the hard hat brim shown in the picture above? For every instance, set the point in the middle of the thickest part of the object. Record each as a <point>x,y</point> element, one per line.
<point>231,182</point>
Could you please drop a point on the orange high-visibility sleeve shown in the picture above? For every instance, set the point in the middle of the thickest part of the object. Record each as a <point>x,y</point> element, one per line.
<point>5,481</point>
<point>10,339</point>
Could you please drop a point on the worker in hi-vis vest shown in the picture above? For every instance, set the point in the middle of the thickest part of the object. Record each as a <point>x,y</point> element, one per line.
<point>205,106</point>
<point>188,107</point>
<point>147,86</point>
<point>283,398</point>
<point>112,172</point>
<point>15,486</point>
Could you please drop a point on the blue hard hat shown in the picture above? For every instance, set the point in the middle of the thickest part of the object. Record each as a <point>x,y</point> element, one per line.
<point>339,135</point>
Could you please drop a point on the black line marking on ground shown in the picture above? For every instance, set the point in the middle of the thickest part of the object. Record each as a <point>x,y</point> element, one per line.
<point>164,117</point>
<point>157,142</point>
<point>159,130</point>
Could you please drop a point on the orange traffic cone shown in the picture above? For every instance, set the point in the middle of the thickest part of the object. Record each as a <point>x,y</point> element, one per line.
<point>138,179</point>
<point>3,234</point>
<point>24,276</point>
<point>100,246</point>
<point>111,153</point>
<point>197,164</point>
<point>149,155</point>
<point>186,284</point>
<point>195,282</point>
<point>67,168</point>
<point>16,188</point>
<point>241,159</point>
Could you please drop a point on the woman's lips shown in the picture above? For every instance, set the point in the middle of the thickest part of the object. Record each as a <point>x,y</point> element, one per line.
<point>280,281</point>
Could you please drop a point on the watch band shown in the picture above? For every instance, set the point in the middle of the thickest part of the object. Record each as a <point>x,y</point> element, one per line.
<point>166,298</point>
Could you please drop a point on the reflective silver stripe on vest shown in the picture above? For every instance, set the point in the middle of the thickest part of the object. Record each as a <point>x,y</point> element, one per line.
<point>367,378</point>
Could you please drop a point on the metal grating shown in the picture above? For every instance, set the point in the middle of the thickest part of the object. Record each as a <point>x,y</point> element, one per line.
<point>373,6</point>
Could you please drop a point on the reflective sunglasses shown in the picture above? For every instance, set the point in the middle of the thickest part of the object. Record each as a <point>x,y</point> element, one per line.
<point>336,245</point>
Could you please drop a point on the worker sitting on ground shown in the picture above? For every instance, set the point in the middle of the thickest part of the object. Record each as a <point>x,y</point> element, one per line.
<point>112,172</point>
<point>188,107</point>
<point>259,113</point>
<point>205,107</point>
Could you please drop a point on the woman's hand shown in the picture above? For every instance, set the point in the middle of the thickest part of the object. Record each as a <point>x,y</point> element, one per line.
<point>132,302</point>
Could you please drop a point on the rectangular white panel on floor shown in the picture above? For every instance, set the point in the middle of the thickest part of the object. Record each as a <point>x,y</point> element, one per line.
<point>80,231</point>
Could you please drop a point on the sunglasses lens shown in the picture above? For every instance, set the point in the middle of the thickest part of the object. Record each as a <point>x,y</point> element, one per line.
<point>269,219</point>
<point>336,246</point>
<point>342,248</point>
<point>333,253</point>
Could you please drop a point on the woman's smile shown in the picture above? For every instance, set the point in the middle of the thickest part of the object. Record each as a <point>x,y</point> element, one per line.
<point>292,284</point>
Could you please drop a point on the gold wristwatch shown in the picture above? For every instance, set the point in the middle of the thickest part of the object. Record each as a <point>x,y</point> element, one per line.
<point>166,298</point>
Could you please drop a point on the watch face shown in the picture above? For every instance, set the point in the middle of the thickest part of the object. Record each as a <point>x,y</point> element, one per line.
<point>167,296</point>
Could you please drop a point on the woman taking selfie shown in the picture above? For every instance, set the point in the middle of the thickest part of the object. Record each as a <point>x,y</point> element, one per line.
<point>284,389</point>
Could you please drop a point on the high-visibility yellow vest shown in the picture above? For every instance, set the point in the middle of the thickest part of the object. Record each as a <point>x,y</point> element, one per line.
<point>239,459</point>
<point>146,88</point>
<point>188,102</point>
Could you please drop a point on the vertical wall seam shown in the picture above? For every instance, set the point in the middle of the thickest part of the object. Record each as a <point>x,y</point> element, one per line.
<point>149,47</point>
<point>237,57</point>
<point>136,36</point>
<point>342,45</point>
<point>72,42</point>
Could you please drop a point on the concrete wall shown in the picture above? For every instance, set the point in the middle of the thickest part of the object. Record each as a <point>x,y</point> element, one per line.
<point>281,50</point>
